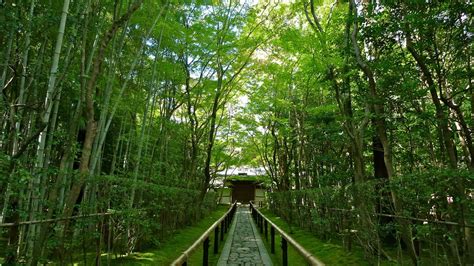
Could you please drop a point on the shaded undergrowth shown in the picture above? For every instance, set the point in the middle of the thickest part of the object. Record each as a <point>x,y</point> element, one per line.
<point>329,252</point>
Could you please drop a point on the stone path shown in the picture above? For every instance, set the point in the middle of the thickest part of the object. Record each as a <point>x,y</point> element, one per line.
<point>244,246</point>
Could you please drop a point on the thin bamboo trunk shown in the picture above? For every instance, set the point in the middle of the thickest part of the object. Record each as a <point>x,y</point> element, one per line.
<point>21,96</point>
<point>91,124</point>
<point>145,114</point>
<point>3,101</point>
<point>34,184</point>
<point>116,150</point>
<point>108,121</point>
<point>37,236</point>
<point>106,102</point>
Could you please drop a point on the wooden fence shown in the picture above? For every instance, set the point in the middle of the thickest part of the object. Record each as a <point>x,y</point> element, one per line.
<point>220,227</point>
<point>263,223</point>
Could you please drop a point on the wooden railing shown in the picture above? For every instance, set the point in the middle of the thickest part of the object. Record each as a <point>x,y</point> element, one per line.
<point>220,227</point>
<point>263,223</point>
<point>58,219</point>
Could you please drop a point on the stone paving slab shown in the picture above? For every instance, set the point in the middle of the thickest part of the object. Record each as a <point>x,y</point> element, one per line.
<point>244,245</point>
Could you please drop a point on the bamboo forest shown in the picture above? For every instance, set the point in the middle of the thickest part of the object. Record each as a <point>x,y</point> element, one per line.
<point>140,132</point>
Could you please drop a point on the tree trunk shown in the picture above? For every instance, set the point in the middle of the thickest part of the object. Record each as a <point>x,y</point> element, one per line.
<point>91,124</point>
<point>442,120</point>
<point>381,130</point>
<point>212,133</point>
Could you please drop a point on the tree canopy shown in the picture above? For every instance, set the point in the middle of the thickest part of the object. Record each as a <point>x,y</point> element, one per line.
<point>132,107</point>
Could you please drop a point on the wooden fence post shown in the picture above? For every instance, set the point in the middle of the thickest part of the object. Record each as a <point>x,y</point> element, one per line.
<point>222,232</point>
<point>266,230</point>
<point>284,251</point>
<point>226,221</point>
<point>216,240</point>
<point>272,239</point>
<point>205,253</point>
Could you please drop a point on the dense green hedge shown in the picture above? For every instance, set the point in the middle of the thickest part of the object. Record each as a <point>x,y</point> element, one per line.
<point>443,196</point>
<point>158,211</point>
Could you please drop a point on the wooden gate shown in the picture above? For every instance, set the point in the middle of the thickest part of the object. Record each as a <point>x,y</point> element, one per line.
<point>243,192</point>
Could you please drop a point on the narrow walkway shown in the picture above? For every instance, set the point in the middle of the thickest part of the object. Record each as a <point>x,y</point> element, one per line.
<point>244,246</point>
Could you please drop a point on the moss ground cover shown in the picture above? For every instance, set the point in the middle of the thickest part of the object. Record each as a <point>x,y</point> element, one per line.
<point>173,247</point>
<point>329,253</point>
<point>167,252</point>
